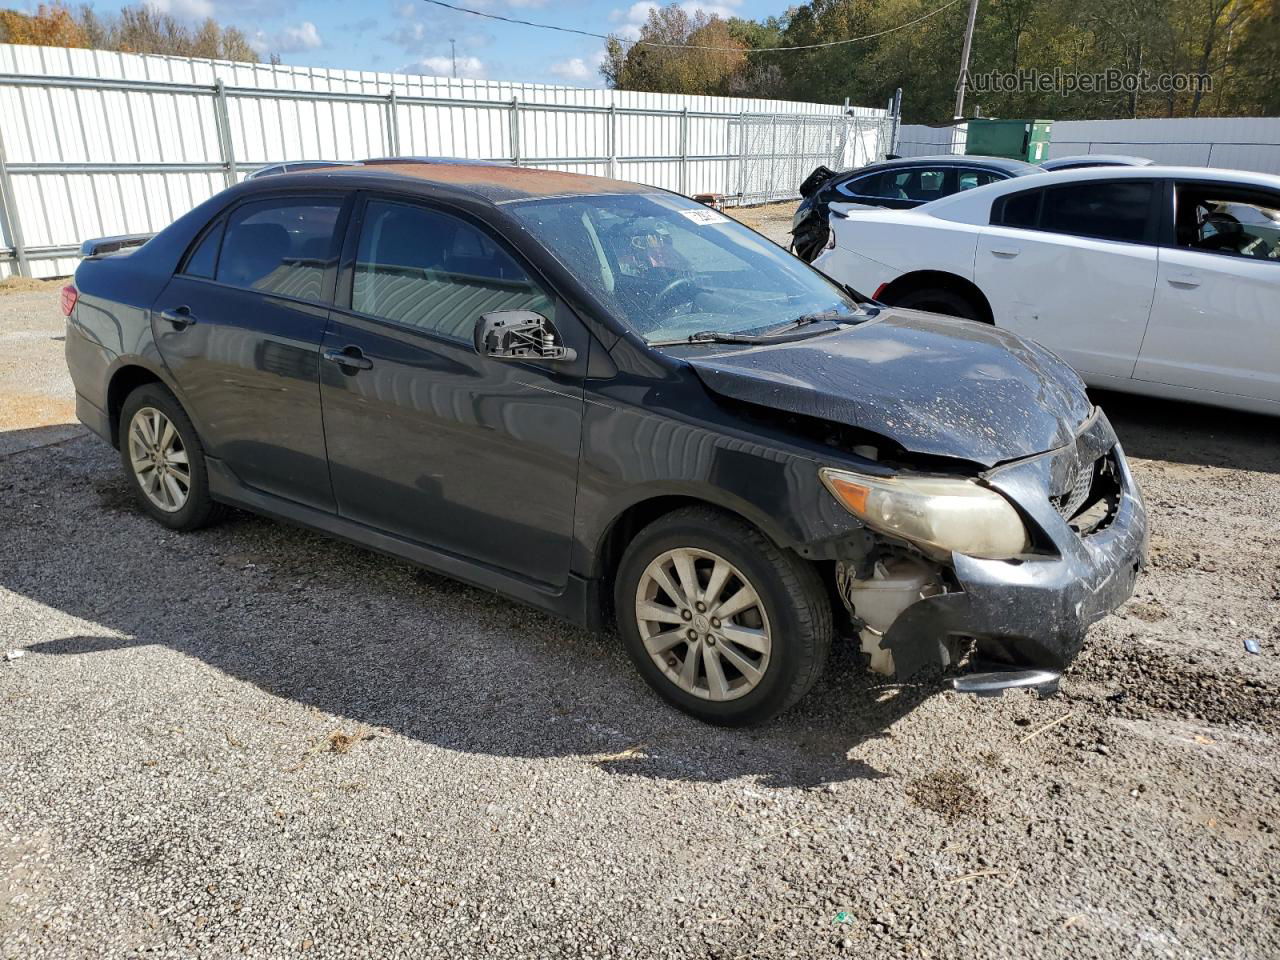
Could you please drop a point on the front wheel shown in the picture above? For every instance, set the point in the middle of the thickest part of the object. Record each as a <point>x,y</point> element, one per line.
<point>720,621</point>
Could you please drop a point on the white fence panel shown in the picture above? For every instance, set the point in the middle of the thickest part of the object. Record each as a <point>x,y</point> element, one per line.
<point>917,140</point>
<point>1239,143</point>
<point>94,143</point>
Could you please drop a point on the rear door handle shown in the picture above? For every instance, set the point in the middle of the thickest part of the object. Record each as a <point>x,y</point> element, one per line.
<point>1188,281</point>
<point>351,357</point>
<point>1007,252</point>
<point>180,317</point>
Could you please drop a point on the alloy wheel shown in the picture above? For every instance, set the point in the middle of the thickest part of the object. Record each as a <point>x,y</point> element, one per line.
<point>703,624</point>
<point>159,459</point>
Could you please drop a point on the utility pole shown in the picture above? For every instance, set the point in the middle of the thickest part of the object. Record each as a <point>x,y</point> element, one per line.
<point>453,54</point>
<point>964,58</point>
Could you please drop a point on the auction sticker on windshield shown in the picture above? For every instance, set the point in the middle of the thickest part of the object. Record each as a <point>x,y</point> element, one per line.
<point>704,216</point>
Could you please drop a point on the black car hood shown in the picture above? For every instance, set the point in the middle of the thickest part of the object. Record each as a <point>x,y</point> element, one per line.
<point>934,385</point>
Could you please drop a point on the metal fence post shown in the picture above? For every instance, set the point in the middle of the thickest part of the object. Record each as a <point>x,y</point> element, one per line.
<point>684,151</point>
<point>514,118</point>
<point>9,213</point>
<point>222,120</point>
<point>613,141</point>
<point>897,120</point>
<point>393,123</point>
<point>742,156</point>
<point>773,156</point>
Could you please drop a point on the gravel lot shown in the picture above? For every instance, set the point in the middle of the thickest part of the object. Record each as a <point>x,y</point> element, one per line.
<point>253,741</point>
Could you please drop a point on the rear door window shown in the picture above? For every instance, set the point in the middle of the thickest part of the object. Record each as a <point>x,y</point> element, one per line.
<point>920,184</point>
<point>968,179</point>
<point>426,269</point>
<point>280,246</point>
<point>1119,210</point>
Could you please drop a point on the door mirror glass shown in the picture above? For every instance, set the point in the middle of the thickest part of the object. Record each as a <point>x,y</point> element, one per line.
<point>520,335</point>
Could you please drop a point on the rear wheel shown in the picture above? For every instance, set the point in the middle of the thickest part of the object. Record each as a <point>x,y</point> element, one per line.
<point>940,300</point>
<point>164,460</point>
<point>719,620</point>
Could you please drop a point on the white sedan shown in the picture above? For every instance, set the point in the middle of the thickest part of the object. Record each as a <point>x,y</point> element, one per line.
<point>1155,280</point>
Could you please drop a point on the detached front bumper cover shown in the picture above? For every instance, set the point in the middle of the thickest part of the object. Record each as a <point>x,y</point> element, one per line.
<point>1033,612</point>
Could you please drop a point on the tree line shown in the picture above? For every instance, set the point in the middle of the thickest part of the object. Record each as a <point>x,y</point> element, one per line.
<point>134,29</point>
<point>1235,44</point>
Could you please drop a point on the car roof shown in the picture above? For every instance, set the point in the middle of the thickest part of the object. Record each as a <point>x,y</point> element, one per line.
<point>974,206</point>
<point>1004,164</point>
<point>493,182</point>
<point>1099,160</point>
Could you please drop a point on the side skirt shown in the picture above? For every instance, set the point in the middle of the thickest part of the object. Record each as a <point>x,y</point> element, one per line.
<point>579,602</point>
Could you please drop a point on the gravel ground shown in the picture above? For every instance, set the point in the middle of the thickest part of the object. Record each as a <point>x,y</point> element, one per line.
<point>254,741</point>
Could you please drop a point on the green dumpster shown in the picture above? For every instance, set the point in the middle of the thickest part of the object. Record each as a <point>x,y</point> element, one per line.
<point>1016,139</point>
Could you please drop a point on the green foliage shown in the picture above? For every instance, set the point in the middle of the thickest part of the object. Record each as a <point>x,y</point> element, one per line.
<point>1236,43</point>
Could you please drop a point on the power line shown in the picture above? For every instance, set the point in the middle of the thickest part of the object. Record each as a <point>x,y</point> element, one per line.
<point>688,46</point>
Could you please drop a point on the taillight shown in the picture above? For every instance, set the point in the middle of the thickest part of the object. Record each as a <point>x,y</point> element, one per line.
<point>69,297</point>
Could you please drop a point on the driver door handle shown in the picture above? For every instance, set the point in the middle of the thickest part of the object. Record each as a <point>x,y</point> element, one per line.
<point>350,357</point>
<point>1185,279</point>
<point>1007,253</point>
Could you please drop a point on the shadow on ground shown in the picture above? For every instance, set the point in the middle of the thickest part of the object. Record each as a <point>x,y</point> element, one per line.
<point>1155,429</point>
<point>381,643</point>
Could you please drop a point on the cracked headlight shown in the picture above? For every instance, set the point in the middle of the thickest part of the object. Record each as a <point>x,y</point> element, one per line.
<point>939,514</point>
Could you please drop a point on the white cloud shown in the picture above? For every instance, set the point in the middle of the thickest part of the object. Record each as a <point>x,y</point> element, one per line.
<point>575,68</point>
<point>470,68</point>
<point>184,9</point>
<point>304,36</point>
<point>634,17</point>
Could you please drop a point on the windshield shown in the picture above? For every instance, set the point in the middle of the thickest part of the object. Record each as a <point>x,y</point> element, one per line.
<point>671,268</point>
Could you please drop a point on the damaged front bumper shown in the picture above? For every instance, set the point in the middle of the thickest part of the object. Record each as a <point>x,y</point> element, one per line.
<point>1029,615</point>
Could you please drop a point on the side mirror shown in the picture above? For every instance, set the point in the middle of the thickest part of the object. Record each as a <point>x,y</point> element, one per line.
<point>520,335</point>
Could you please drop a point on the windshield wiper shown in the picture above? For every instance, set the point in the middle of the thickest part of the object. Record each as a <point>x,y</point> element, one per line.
<point>714,336</point>
<point>788,331</point>
<point>835,316</point>
<point>709,336</point>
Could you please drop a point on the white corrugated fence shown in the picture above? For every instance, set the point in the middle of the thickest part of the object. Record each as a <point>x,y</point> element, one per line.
<point>97,143</point>
<point>1235,143</point>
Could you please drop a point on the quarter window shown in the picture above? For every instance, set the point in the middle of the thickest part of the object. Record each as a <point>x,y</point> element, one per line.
<point>204,258</point>
<point>429,270</point>
<point>1119,210</point>
<point>280,246</point>
<point>1018,210</point>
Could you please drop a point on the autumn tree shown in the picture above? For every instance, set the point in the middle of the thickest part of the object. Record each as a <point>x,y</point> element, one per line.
<point>50,26</point>
<point>679,52</point>
<point>136,29</point>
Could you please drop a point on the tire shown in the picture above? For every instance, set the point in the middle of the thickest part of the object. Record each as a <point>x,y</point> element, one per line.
<point>940,300</point>
<point>789,628</point>
<point>196,508</point>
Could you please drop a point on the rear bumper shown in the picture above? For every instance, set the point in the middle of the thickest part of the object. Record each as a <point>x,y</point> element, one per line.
<point>93,417</point>
<point>1034,612</point>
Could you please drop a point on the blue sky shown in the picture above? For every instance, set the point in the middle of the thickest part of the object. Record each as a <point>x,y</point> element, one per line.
<point>412,36</point>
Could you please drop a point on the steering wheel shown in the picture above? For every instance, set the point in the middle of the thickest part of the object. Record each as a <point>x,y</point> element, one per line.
<point>670,290</point>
